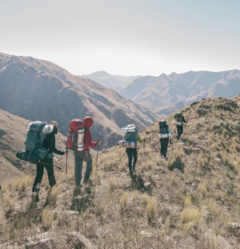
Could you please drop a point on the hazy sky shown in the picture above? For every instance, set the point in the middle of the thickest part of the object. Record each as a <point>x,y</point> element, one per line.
<point>126,37</point>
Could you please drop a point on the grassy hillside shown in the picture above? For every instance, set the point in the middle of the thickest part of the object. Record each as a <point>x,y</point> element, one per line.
<point>191,200</point>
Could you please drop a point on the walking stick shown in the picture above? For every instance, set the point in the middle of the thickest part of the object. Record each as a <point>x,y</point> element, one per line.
<point>66,176</point>
<point>2,199</point>
<point>66,164</point>
<point>96,170</point>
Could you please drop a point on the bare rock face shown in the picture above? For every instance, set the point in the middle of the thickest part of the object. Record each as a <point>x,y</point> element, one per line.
<point>41,244</point>
<point>201,112</point>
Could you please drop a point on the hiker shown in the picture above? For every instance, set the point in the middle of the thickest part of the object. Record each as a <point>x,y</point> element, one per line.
<point>179,119</point>
<point>84,153</point>
<point>132,152</point>
<point>164,134</point>
<point>49,144</point>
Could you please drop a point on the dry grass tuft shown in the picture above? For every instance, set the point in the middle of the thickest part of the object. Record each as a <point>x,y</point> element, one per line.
<point>10,204</point>
<point>134,194</point>
<point>188,217</point>
<point>112,184</point>
<point>203,190</point>
<point>145,199</point>
<point>167,225</point>
<point>190,214</point>
<point>123,201</point>
<point>151,209</point>
<point>187,201</point>
<point>53,194</point>
<point>47,217</point>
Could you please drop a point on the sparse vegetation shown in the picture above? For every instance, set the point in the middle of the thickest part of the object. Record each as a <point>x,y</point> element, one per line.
<point>188,201</point>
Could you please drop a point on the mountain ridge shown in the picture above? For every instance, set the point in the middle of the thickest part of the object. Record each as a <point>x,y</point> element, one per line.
<point>160,93</point>
<point>40,90</point>
<point>109,80</point>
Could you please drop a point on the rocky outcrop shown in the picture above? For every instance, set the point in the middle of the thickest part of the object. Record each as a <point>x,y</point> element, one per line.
<point>78,241</point>
<point>74,240</point>
<point>41,244</point>
<point>201,112</point>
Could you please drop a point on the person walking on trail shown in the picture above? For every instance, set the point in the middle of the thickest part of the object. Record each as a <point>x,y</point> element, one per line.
<point>179,118</point>
<point>85,154</point>
<point>132,152</point>
<point>49,144</point>
<point>164,134</point>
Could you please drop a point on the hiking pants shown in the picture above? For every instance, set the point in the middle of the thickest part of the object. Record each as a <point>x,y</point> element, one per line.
<point>180,131</point>
<point>48,165</point>
<point>132,154</point>
<point>81,156</point>
<point>164,146</point>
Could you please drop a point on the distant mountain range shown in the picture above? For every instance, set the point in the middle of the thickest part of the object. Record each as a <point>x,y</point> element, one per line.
<point>168,93</point>
<point>112,81</point>
<point>40,90</point>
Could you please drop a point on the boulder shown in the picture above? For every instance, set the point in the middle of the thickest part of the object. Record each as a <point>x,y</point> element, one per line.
<point>188,150</point>
<point>215,127</point>
<point>217,160</point>
<point>201,148</point>
<point>41,244</point>
<point>234,225</point>
<point>78,241</point>
<point>225,125</point>
<point>158,168</point>
<point>201,112</point>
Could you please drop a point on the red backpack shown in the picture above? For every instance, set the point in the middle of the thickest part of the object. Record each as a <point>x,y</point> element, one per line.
<point>75,139</point>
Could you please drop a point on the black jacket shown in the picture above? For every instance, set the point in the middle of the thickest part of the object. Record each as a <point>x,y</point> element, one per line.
<point>49,144</point>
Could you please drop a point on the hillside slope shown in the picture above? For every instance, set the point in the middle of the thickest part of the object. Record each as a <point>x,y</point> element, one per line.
<point>112,81</point>
<point>191,200</point>
<point>40,90</point>
<point>13,131</point>
<point>160,93</point>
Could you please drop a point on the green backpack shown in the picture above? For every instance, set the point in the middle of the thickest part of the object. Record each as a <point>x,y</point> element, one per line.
<point>36,135</point>
<point>178,117</point>
<point>132,137</point>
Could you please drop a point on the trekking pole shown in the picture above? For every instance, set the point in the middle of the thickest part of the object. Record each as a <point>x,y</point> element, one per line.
<point>66,176</point>
<point>66,164</point>
<point>2,199</point>
<point>96,170</point>
<point>58,167</point>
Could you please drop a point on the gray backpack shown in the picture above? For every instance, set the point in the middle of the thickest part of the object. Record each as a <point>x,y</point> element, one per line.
<point>36,135</point>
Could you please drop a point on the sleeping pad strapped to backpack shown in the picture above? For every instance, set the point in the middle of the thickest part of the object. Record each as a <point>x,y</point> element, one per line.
<point>130,138</point>
<point>75,136</point>
<point>36,135</point>
<point>164,130</point>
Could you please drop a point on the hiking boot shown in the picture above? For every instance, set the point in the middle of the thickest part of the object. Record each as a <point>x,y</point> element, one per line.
<point>133,170</point>
<point>87,180</point>
<point>131,173</point>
